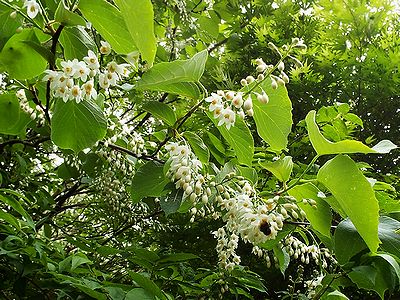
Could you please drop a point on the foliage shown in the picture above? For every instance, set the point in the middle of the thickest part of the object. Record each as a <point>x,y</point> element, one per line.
<point>199,149</point>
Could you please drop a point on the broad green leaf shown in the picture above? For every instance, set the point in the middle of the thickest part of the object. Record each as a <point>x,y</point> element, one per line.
<point>10,201</point>
<point>171,203</point>
<point>67,17</point>
<point>281,168</point>
<point>147,284</point>
<point>108,21</point>
<point>161,110</point>
<point>116,293</point>
<point>8,25</point>
<point>77,126</point>
<point>355,195</point>
<point>9,218</point>
<point>319,217</point>
<point>323,146</point>
<point>20,126</point>
<point>389,235</point>
<point>139,294</point>
<point>377,277</point>
<point>9,111</point>
<point>78,260</point>
<point>18,60</point>
<point>149,180</point>
<point>139,19</point>
<point>336,295</point>
<point>91,292</point>
<point>394,265</point>
<point>76,42</point>
<point>239,138</point>
<point>248,173</point>
<point>273,119</point>
<point>198,146</point>
<point>283,258</point>
<point>344,233</point>
<point>177,77</point>
<point>177,257</point>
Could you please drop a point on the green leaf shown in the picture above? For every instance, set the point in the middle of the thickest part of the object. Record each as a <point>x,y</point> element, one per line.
<point>161,110</point>
<point>8,25</point>
<point>281,168</point>
<point>4,216</point>
<point>91,292</point>
<point>248,173</point>
<point>354,119</point>
<point>77,126</point>
<point>394,265</point>
<point>139,18</point>
<point>149,180</point>
<point>147,284</point>
<point>389,235</point>
<point>177,77</point>
<point>9,111</point>
<point>198,146</point>
<point>10,201</point>
<point>283,258</point>
<point>336,295</point>
<point>177,257</point>
<point>67,17</point>
<point>78,260</point>
<point>319,217</point>
<point>76,42</point>
<point>323,146</point>
<point>139,294</point>
<point>171,203</point>
<point>108,21</point>
<point>273,119</point>
<point>344,233</point>
<point>19,61</point>
<point>20,126</point>
<point>355,195</point>
<point>239,138</point>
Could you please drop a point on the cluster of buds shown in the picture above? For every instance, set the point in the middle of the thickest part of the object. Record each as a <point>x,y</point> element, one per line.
<point>299,250</point>
<point>185,171</point>
<point>34,113</point>
<point>76,80</point>
<point>226,249</point>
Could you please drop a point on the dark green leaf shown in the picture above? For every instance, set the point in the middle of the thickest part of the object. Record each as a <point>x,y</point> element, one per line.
<point>77,126</point>
<point>149,180</point>
<point>108,21</point>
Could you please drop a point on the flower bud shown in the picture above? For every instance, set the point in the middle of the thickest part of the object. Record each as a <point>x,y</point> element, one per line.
<point>13,14</point>
<point>248,104</point>
<point>274,84</point>
<point>243,82</point>
<point>281,66</point>
<point>250,112</point>
<point>250,79</point>
<point>260,77</point>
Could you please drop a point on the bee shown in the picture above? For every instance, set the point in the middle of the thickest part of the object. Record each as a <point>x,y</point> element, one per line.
<point>264,227</point>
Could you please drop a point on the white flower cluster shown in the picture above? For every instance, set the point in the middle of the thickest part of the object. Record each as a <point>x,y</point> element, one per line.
<point>76,80</point>
<point>226,249</point>
<point>299,250</point>
<point>185,171</point>
<point>313,284</point>
<point>266,255</point>
<point>226,104</point>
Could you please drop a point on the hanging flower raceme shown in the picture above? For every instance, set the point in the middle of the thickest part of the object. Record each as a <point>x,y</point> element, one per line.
<point>76,80</point>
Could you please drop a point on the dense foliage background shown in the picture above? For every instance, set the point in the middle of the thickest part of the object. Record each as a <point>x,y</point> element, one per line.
<point>124,174</point>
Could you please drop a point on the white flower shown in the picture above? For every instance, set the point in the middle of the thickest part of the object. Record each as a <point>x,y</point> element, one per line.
<point>50,75</point>
<point>112,78</point>
<point>81,71</point>
<point>76,93</point>
<point>215,101</point>
<point>32,8</point>
<point>103,81</point>
<point>248,104</point>
<point>88,90</point>
<point>105,48</point>
<point>123,70</point>
<point>227,117</point>
<point>237,101</point>
<point>69,67</point>
<point>92,61</point>
<point>62,92</point>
